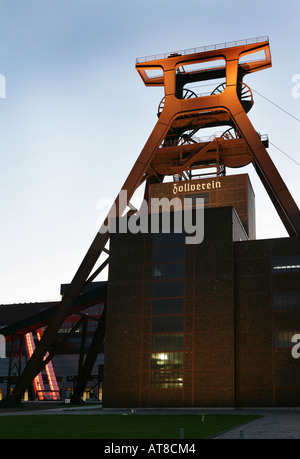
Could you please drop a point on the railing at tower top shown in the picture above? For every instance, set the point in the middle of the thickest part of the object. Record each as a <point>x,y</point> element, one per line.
<point>194,139</point>
<point>203,49</point>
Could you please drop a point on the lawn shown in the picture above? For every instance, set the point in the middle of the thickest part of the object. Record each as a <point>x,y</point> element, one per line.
<point>116,426</point>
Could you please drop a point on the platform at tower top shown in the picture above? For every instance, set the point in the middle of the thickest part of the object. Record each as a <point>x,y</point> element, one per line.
<point>203,49</point>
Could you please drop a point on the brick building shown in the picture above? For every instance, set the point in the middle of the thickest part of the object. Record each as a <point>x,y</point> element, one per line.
<point>205,324</point>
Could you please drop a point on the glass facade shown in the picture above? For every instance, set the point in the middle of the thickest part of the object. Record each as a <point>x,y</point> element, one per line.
<point>168,311</point>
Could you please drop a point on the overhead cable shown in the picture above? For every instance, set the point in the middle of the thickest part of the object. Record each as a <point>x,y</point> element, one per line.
<point>297,119</point>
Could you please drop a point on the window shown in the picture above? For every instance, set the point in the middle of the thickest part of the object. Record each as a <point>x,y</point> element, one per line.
<point>286,263</point>
<point>283,339</point>
<point>167,369</point>
<point>168,310</point>
<point>168,254</point>
<point>167,360</point>
<point>168,289</point>
<point>165,306</point>
<point>286,300</point>
<point>167,270</point>
<point>168,239</point>
<point>166,324</point>
<point>167,379</point>
<point>167,342</point>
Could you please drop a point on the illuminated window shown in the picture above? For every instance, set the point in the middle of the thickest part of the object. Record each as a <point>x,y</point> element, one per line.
<point>286,300</point>
<point>167,360</point>
<point>286,263</point>
<point>167,379</point>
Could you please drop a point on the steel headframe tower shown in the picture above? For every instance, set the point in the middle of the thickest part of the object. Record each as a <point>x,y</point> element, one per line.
<point>172,149</point>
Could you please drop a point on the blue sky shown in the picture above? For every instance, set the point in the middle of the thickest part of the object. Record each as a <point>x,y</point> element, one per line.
<point>76,116</point>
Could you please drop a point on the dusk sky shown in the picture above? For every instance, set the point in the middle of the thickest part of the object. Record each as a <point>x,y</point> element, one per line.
<point>76,115</point>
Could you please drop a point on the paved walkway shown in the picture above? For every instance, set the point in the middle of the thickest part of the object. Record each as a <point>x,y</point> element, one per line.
<point>279,424</point>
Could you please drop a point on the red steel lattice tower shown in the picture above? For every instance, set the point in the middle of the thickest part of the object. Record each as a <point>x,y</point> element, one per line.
<point>172,149</point>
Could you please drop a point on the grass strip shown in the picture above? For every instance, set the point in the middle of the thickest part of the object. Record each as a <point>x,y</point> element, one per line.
<point>118,426</point>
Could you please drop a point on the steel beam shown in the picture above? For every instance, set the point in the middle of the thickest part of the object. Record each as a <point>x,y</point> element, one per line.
<point>87,367</point>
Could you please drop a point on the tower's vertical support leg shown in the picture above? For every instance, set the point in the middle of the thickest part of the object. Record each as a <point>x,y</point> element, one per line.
<point>149,182</point>
<point>15,361</point>
<point>277,190</point>
<point>82,345</point>
<point>90,359</point>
